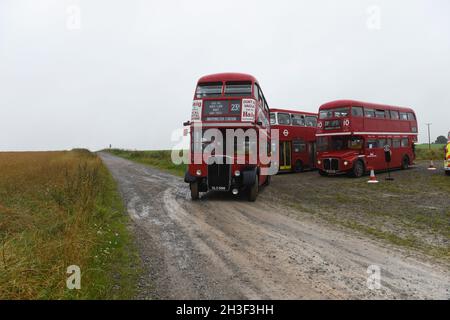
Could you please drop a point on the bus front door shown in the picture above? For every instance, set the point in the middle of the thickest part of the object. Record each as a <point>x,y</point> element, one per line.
<point>285,155</point>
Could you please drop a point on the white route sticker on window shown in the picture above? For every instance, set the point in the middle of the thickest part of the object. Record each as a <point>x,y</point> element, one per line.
<point>248,110</point>
<point>196,114</point>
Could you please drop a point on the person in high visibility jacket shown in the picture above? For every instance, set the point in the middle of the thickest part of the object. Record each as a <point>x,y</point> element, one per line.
<point>447,157</point>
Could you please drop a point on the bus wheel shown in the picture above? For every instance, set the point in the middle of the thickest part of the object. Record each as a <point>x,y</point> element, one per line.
<point>253,191</point>
<point>194,190</point>
<point>323,173</point>
<point>405,163</point>
<point>298,166</point>
<point>447,172</point>
<point>358,169</point>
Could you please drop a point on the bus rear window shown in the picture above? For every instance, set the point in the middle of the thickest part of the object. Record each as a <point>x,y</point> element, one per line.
<point>212,89</point>
<point>242,89</point>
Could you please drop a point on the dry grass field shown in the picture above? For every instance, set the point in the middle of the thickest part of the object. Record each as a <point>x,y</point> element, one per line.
<point>59,209</point>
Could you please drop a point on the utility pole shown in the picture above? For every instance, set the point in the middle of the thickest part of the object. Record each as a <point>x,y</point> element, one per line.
<point>431,167</point>
<point>429,136</point>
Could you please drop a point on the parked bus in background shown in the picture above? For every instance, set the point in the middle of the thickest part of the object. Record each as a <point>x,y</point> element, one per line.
<point>447,156</point>
<point>351,136</point>
<point>227,101</point>
<point>297,132</point>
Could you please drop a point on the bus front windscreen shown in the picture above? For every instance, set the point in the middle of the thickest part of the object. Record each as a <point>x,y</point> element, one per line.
<point>211,89</point>
<point>335,113</point>
<point>240,89</point>
<point>339,143</point>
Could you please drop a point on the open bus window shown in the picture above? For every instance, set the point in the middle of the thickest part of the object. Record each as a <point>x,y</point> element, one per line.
<point>211,89</point>
<point>298,120</point>
<point>284,119</point>
<point>241,89</point>
<point>379,114</point>
<point>273,119</point>
<point>311,121</point>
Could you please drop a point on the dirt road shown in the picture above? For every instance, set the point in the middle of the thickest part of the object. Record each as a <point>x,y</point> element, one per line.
<point>226,248</point>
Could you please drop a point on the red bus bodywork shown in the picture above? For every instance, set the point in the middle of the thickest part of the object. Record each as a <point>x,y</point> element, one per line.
<point>297,134</point>
<point>227,110</point>
<point>351,136</point>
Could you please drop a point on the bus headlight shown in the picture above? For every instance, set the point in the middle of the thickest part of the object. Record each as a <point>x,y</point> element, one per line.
<point>199,172</point>
<point>237,173</point>
<point>345,163</point>
<point>319,162</point>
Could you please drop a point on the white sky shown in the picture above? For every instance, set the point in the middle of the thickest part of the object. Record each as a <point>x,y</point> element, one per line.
<point>127,76</point>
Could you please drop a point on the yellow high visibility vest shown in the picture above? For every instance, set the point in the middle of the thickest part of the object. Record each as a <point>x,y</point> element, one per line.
<point>447,156</point>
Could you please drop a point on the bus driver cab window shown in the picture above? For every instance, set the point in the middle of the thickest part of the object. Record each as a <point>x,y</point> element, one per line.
<point>355,143</point>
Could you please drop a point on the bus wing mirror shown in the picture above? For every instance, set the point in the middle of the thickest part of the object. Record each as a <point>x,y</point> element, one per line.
<point>187,123</point>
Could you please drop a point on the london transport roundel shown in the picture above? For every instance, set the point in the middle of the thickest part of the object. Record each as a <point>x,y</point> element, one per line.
<point>285,132</point>
<point>320,124</point>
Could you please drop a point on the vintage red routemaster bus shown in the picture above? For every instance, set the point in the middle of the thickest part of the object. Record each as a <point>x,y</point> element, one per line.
<point>226,105</point>
<point>351,136</point>
<point>297,136</point>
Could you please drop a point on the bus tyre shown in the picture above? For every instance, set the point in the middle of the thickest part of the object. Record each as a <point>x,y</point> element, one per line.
<point>253,191</point>
<point>447,172</point>
<point>323,173</point>
<point>298,166</point>
<point>405,163</point>
<point>358,169</point>
<point>194,190</point>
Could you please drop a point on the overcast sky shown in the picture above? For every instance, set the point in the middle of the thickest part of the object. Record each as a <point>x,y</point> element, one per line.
<point>125,72</point>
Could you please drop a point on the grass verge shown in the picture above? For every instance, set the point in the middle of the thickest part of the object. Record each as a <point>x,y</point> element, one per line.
<point>59,209</point>
<point>160,159</point>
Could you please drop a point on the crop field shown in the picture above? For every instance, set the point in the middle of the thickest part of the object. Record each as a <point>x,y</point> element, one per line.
<point>59,209</point>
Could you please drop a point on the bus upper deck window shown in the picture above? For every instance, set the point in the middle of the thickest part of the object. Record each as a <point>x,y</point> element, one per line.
<point>403,116</point>
<point>394,115</point>
<point>311,121</point>
<point>369,113</point>
<point>273,119</point>
<point>357,111</point>
<point>242,89</point>
<point>212,89</point>
<point>341,112</point>
<point>298,120</point>
<point>284,119</point>
<point>379,114</point>
<point>411,116</point>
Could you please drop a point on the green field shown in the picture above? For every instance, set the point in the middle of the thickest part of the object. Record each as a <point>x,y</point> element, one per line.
<point>59,209</point>
<point>435,153</point>
<point>160,159</point>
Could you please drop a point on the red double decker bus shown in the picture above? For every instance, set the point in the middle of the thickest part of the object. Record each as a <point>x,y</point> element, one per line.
<point>230,116</point>
<point>297,132</point>
<point>351,136</point>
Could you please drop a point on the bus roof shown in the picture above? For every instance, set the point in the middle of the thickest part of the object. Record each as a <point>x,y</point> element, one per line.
<point>293,111</point>
<point>228,76</point>
<point>345,103</point>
